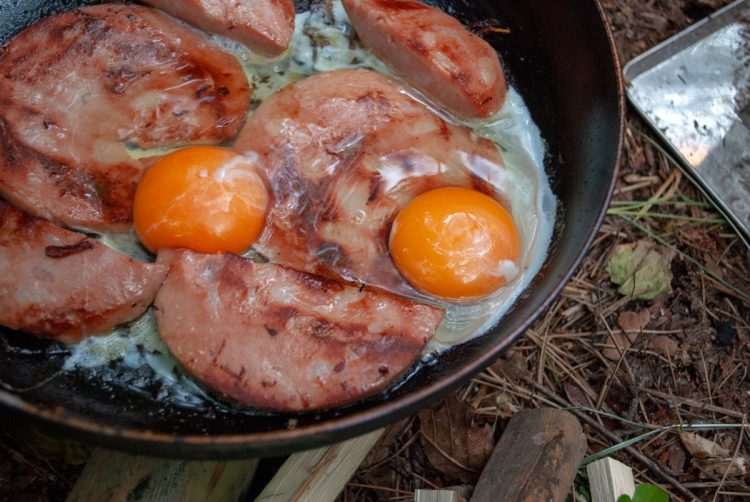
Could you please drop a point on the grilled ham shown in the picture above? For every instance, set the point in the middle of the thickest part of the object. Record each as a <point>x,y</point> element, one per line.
<point>265,26</point>
<point>268,336</point>
<point>59,284</point>
<point>344,151</point>
<point>78,88</point>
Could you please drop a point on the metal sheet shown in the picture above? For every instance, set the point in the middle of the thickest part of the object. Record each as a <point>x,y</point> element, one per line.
<point>694,89</point>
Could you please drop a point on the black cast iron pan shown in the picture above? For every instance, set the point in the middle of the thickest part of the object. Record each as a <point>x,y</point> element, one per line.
<point>560,56</point>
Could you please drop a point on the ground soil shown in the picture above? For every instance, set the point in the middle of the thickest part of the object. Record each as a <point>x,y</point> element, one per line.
<point>681,358</point>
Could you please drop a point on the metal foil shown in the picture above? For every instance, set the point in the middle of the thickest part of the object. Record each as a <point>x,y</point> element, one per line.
<point>694,89</point>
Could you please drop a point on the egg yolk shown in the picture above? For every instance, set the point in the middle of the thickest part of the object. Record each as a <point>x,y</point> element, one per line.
<point>207,199</point>
<point>455,243</point>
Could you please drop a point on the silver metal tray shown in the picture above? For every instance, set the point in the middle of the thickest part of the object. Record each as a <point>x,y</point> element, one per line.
<point>694,89</point>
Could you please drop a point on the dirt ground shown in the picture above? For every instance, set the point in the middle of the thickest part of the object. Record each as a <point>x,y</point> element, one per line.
<point>629,365</point>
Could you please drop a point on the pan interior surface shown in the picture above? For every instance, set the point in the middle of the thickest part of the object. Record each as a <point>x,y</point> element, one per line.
<point>560,58</point>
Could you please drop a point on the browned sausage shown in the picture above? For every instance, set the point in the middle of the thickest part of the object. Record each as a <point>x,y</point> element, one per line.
<point>267,336</point>
<point>265,26</point>
<point>60,284</point>
<point>433,52</point>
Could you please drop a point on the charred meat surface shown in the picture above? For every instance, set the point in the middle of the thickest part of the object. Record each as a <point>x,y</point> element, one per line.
<point>268,336</point>
<point>59,284</point>
<point>434,52</point>
<point>265,26</point>
<point>344,151</point>
<point>78,88</point>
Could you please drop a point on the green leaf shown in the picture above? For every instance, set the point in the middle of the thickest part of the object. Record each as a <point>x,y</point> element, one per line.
<point>641,270</point>
<point>646,493</point>
<point>650,493</point>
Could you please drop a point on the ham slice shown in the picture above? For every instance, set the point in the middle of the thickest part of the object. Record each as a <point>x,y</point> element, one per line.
<point>271,337</point>
<point>344,151</point>
<point>78,88</point>
<point>433,52</point>
<point>265,26</point>
<point>59,284</point>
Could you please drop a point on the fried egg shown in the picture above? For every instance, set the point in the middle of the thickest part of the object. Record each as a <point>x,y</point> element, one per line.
<point>455,243</point>
<point>203,198</point>
<point>323,41</point>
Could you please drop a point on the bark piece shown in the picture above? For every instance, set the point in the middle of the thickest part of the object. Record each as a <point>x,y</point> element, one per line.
<point>536,458</point>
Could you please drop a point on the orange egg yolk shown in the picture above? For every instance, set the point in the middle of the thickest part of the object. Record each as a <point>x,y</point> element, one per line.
<point>455,243</point>
<point>207,199</point>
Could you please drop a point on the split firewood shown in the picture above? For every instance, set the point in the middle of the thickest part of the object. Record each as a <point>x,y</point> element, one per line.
<point>438,496</point>
<point>609,479</point>
<point>111,475</point>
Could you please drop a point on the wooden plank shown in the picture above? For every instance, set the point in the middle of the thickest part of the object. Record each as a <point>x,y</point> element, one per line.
<point>110,475</point>
<point>536,458</point>
<point>609,479</point>
<point>319,475</point>
<point>438,496</point>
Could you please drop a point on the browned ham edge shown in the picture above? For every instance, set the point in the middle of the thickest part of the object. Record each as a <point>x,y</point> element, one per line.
<point>433,52</point>
<point>59,284</point>
<point>271,337</point>
<point>265,26</point>
<point>77,88</point>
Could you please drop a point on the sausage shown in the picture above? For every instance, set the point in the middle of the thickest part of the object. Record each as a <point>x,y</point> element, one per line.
<point>59,284</point>
<point>270,337</point>
<point>434,53</point>
<point>79,87</point>
<point>265,26</point>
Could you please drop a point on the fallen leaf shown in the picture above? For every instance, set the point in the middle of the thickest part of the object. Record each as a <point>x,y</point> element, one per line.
<point>664,345</point>
<point>700,447</point>
<point>631,323</point>
<point>641,269</point>
<point>634,322</point>
<point>452,444</point>
<point>676,456</point>
<point>513,365</point>
<point>716,467</point>
<point>576,396</point>
<point>621,341</point>
<point>480,442</point>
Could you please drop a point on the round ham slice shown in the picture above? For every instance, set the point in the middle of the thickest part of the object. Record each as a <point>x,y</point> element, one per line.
<point>59,284</point>
<point>271,337</point>
<point>344,151</point>
<point>78,88</point>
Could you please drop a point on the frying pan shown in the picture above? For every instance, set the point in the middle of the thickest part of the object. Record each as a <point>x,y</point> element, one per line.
<point>560,56</point>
